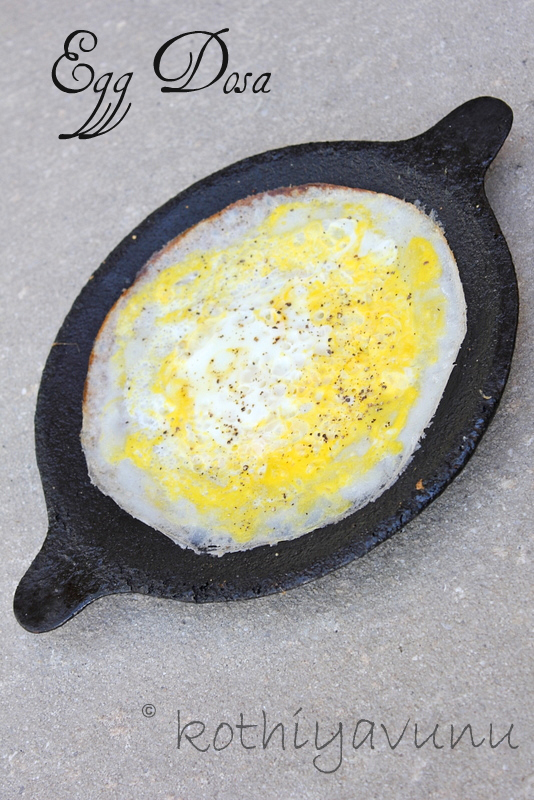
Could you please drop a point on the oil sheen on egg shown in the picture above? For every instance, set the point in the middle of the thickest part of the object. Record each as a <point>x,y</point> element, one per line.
<point>274,368</point>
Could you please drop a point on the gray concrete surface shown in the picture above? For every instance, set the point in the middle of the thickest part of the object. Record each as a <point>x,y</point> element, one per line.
<point>435,626</point>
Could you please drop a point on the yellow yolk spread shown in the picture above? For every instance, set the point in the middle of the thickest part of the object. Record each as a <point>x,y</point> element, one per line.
<point>278,371</point>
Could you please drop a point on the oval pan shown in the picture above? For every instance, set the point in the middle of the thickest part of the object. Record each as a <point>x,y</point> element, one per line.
<point>94,548</point>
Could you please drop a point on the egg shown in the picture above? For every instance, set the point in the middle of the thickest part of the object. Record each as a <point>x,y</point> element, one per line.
<point>274,368</point>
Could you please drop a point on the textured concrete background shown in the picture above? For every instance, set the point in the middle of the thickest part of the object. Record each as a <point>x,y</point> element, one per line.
<point>435,626</point>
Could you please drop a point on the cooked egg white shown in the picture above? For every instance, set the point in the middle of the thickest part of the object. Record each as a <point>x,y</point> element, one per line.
<point>274,368</point>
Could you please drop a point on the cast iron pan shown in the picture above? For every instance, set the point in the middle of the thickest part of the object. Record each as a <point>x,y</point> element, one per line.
<point>93,548</point>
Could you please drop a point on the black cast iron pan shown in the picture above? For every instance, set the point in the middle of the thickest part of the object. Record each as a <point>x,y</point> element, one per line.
<point>94,548</point>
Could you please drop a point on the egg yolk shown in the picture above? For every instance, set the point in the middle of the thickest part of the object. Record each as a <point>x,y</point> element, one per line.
<point>280,370</point>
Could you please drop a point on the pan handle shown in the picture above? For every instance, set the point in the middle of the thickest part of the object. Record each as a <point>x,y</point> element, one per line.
<point>466,140</point>
<point>54,587</point>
